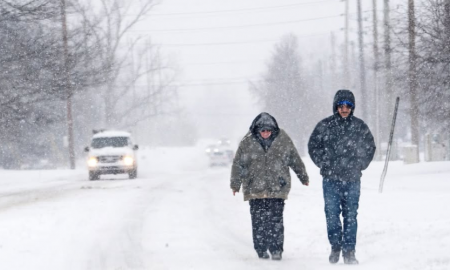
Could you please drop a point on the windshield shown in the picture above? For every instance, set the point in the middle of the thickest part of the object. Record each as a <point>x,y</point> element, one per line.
<point>109,142</point>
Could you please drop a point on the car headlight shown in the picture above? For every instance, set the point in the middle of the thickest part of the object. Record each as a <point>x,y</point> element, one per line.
<point>128,161</point>
<point>92,161</point>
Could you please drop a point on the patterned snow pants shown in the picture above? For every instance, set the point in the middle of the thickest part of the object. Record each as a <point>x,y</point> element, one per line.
<point>267,224</point>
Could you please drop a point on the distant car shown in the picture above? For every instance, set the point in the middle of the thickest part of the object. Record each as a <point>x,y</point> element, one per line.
<point>210,148</point>
<point>219,158</point>
<point>112,152</point>
<point>224,142</point>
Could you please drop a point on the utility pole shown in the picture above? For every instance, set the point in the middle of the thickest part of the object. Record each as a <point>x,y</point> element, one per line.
<point>134,76</point>
<point>388,81</point>
<point>346,63</point>
<point>447,19</point>
<point>150,80</point>
<point>362,71</point>
<point>387,49</point>
<point>413,76</point>
<point>333,61</point>
<point>69,90</point>
<point>375,77</point>
<point>447,30</point>
<point>133,71</point>
<point>150,89</point>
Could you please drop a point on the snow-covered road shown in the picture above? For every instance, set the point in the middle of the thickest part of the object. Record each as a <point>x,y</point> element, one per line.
<point>180,214</point>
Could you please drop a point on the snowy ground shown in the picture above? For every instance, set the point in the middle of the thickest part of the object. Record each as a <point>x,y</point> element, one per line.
<point>180,214</point>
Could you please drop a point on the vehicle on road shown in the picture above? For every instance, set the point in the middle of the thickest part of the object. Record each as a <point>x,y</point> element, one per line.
<point>219,158</point>
<point>224,142</point>
<point>220,154</point>
<point>111,152</point>
<point>210,149</point>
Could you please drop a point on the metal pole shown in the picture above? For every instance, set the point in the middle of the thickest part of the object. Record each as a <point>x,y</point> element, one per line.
<point>68,87</point>
<point>391,136</point>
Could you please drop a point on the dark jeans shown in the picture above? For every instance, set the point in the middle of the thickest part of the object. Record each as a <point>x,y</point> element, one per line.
<point>341,196</point>
<point>267,224</point>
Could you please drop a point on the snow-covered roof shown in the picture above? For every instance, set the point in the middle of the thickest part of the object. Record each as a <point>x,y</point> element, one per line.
<point>112,133</point>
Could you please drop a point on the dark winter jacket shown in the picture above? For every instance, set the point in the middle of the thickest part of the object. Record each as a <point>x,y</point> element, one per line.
<point>342,147</point>
<point>263,171</point>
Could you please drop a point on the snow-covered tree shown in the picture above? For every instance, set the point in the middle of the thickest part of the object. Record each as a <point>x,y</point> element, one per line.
<point>434,63</point>
<point>282,91</point>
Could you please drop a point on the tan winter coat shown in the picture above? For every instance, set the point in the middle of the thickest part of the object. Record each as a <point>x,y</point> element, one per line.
<point>266,174</point>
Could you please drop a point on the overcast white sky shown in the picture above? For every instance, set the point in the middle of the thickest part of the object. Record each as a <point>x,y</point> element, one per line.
<point>220,45</point>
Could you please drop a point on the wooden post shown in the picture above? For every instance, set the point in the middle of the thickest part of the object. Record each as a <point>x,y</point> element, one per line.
<point>414,108</point>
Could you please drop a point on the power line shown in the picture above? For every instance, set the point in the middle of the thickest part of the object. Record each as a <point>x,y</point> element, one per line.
<point>216,43</point>
<point>222,79</point>
<point>232,42</point>
<point>186,84</point>
<point>237,26</point>
<point>240,10</point>
<point>222,63</point>
<point>213,83</point>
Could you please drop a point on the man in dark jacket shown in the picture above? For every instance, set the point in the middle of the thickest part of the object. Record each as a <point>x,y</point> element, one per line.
<point>261,166</point>
<point>342,146</point>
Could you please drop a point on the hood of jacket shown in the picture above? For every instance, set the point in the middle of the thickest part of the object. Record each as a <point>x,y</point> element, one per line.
<point>265,121</point>
<point>342,95</point>
<point>262,121</point>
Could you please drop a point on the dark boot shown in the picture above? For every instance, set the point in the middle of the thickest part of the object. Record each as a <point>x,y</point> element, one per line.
<point>334,256</point>
<point>349,257</point>
<point>263,255</point>
<point>277,256</point>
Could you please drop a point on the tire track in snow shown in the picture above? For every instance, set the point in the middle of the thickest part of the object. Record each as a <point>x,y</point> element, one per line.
<point>207,228</point>
<point>124,249</point>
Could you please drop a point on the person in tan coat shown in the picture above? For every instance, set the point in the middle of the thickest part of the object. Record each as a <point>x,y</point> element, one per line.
<point>261,166</point>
